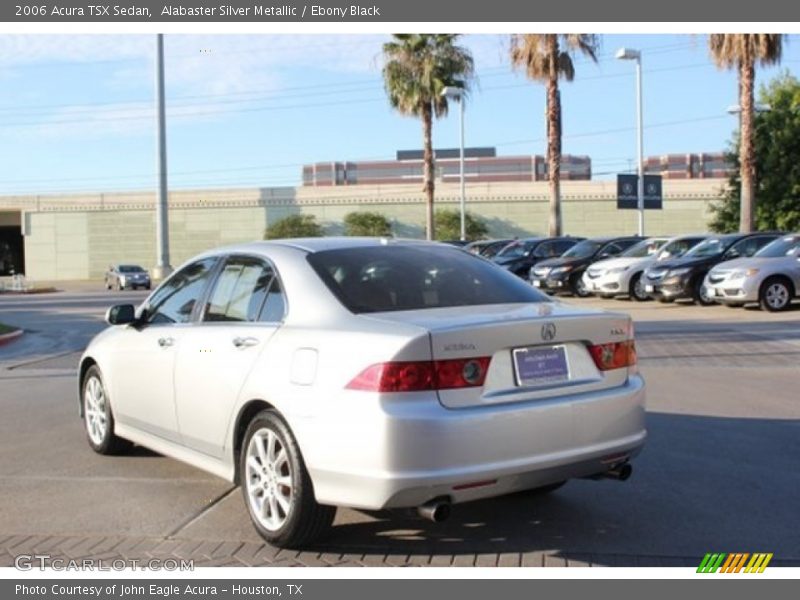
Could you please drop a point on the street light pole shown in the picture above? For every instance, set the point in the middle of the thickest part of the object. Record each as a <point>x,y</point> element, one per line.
<point>461,175</point>
<point>457,94</point>
<point>162,268</point>
<point>630,54</point>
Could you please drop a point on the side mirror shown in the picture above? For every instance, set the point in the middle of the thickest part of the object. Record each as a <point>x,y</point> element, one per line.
<point>605,254</point>
<point>121,314</point>
<point>732,254</point>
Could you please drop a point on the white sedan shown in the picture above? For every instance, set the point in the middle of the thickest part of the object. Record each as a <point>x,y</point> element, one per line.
<point>367,373</point>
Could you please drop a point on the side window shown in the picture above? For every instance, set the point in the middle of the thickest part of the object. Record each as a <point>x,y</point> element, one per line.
<point>747,246</point>
<point>611,249</point>
<point>625,244</point>
<point>563,246</point>
<point>175,300</point>
<point>275,305</point>
<point>545,250</point>
<point>760,242</point>
<point>239,291</point>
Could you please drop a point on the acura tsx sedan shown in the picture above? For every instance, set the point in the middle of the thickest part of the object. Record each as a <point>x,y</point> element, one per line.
<point>368,373</point>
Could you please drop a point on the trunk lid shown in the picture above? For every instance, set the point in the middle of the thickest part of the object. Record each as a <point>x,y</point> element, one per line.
<point>551,335</point>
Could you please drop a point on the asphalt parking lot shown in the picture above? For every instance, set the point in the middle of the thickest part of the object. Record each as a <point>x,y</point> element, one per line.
<point>719,472</point>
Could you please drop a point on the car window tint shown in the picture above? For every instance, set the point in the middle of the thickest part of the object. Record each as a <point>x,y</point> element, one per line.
<point>393,278</point>
<point>275,305</point>
<point>174,301</point>
<point>563,246</point>
<point>238,292</point>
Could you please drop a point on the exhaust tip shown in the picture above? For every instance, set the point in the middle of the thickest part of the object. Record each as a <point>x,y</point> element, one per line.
<point>435,510</point>
<point>621,473</point>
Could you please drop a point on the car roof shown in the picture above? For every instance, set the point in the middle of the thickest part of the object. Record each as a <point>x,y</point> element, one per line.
<point>320,244</point>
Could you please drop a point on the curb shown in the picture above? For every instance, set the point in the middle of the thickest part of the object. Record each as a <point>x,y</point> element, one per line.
<point>7,338</point>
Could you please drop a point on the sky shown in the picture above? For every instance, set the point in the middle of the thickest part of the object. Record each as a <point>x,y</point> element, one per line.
<point>77,111</point>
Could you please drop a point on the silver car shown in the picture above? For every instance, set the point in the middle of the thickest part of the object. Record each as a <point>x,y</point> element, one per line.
<point>367,373</point>
<point>771,277</point>
<point>622,275</point>
<point>122,277</point>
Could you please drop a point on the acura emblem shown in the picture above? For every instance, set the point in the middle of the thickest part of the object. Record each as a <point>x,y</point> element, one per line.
<point>548,332</point>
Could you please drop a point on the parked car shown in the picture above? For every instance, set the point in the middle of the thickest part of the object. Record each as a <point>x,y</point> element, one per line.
<point>622,276</point>
<point>520,255</point>
<point>367,373</point>
<point>488,248</point>
<point>771,277</point>
<point>122,277</point>
<point>683,277</point>
<point>565,274</point>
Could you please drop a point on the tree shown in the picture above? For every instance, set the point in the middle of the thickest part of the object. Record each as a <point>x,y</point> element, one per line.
<point>372,224</point>
<point>548,58</point>
<point>294,226</point>
<point>417,67</point>
<point>743,51</point>
<point>776,146</point>
<point>448,225</point>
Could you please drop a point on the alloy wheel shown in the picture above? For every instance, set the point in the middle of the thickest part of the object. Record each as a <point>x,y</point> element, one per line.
<point>94,398</point>
<point>269,483</point>
<point>776,296</point>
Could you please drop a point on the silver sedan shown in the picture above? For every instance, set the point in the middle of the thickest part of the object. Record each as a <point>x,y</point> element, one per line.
<point>365,373</point>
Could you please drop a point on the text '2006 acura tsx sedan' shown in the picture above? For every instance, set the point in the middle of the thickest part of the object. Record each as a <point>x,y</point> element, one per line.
<point>367,373</point>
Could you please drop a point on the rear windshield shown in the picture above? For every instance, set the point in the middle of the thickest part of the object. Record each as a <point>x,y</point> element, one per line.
<point>392,278</point>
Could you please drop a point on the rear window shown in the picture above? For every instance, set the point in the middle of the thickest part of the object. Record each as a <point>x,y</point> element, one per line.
<point>392,278</point>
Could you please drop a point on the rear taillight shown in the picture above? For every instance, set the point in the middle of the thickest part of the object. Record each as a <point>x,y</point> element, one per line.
<point>417,376</point>
<point>613,356</point>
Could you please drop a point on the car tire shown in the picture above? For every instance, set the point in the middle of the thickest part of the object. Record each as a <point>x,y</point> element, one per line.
<point>578,287</point>
<point>636,289</point>
<point>776,294</point>
<point>698,295</point>
<point>277,490</point>
<point>97,416</point>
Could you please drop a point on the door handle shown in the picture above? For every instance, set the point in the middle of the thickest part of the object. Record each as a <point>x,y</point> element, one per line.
<point>165,342</point>
<point>244,342</point>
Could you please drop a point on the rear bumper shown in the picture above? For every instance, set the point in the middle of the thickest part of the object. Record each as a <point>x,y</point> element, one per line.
<point>416,450</point>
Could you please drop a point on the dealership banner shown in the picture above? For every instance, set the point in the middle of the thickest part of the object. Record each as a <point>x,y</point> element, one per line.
<point>449,11</point>
<point>388,589</point>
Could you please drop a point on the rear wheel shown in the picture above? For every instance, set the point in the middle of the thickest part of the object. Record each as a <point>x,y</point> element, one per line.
<point>277,490</point>
<point>775,294</point>
<point>637,291</point>
<point>97,416</point>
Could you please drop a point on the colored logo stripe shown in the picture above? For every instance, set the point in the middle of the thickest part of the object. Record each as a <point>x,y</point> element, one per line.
<point>733,563</point>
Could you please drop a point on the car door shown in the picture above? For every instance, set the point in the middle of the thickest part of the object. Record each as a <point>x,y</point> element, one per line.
<point>242,311</point>
<point>143,359</point>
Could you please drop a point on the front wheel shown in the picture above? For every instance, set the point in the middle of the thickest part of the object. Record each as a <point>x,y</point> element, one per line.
<point>276,486</point>
<point>97,417</point>
<point>637,291</point>
<point>699,295</point>
<point>579,288</point>
<point>775,295</point>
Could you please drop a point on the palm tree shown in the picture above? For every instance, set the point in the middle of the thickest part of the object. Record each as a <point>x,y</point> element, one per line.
<point>417,67</point>
<point>548,58</point>
<point>742,51</point>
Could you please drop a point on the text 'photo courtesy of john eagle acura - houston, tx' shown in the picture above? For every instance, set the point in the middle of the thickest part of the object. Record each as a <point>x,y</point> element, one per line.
<point>368,373</point>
